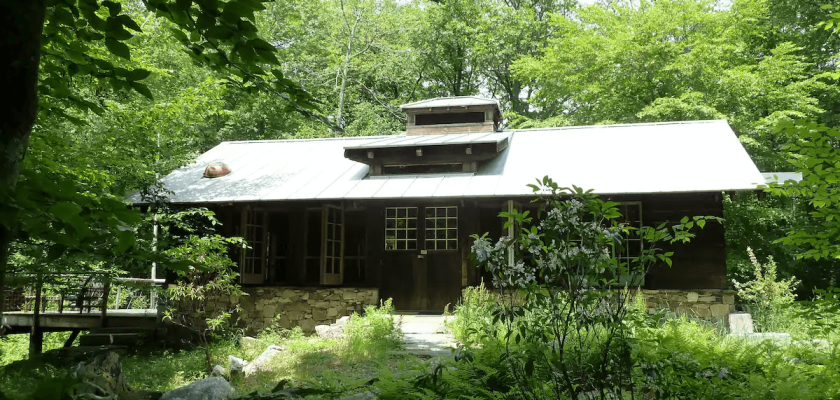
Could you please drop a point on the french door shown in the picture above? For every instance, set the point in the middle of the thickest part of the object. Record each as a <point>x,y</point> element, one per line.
<point>253,259</point>
<point>332,245</point>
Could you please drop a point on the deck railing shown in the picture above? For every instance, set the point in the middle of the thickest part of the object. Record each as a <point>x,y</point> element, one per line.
<point>81,293</point>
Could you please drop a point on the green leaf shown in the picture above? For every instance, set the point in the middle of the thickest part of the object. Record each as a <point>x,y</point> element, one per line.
<point>126,240</point>
<point>65,210</point>
<point>142,89</point>
<point>138,74</point>
<point>117,48</point>
<point>701,223</point>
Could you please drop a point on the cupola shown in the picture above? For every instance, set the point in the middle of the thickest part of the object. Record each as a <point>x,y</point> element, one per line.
<point>447,115</point>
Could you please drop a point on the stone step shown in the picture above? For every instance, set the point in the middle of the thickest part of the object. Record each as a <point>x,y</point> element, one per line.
<point>105,339</point>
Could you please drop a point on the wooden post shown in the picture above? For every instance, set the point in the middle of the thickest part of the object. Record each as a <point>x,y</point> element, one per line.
<point>73,335</point>
<point>106,291</point>
<point>36,335</point>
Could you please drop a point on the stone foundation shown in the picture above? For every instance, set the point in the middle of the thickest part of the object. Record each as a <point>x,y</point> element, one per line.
<point>288,307</point>
<point>702,303</point>
<point>705,303</point>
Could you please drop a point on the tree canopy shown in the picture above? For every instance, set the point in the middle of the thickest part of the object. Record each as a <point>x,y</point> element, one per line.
<point>126,91</point>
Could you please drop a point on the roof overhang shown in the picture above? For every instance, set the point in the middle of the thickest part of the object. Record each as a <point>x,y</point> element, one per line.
<point>429,149</point>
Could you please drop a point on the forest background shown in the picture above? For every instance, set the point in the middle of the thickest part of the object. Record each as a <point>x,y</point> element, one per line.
<point>756,63</point>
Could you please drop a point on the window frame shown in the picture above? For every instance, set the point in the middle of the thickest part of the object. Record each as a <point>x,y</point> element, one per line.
<point>396,229</point>
<point>446,228</point>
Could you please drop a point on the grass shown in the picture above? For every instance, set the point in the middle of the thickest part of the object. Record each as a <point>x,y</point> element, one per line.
<point>340,365</point>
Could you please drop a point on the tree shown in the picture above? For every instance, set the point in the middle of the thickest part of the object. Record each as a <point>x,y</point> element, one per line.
<point>54,42</point>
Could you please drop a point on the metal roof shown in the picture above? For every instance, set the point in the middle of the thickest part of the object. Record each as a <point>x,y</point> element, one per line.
<point>459,101</point>
<point>432,140</point>
<point>699,156</point>
<point>781,177</point>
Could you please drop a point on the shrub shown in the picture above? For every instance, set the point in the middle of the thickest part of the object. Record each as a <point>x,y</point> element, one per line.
<point>766,296</point>
<point>372,335</point>
<point>473,314</point>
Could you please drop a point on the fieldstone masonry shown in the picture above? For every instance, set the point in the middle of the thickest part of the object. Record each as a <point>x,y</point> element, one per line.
<point>288,307</point>
<point>706,304</point>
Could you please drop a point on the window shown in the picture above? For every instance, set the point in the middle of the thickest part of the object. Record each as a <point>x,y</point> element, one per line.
<point>253,257</point>
<point>422,169</point>
<point>442,228</point>
<point>401,228</point>
<point>449,118</point>
<point>631,212</point>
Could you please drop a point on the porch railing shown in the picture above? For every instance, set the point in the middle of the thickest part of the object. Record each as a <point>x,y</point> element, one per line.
<point>81,293</point>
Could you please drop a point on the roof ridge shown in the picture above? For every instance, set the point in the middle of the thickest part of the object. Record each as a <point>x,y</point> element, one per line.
<point>312,139</point>
<point>574,127</point>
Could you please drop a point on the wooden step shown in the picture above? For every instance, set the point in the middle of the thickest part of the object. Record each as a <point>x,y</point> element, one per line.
<point>148,331</point>
<point>107,339</point>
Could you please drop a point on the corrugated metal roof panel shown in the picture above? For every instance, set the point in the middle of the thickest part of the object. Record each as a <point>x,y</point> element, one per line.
<point>639,158</point>
<point>434,140</point>
<point>458,101</point>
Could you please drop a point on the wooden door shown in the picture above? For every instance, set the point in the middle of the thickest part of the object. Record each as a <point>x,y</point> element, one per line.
<point>332,245</point>
<point>253,260</point>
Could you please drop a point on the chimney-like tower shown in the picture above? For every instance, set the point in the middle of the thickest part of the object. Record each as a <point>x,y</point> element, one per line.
<point>445,115</point>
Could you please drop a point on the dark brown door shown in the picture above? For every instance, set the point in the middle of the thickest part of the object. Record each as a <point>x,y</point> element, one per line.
<point>421,269</point>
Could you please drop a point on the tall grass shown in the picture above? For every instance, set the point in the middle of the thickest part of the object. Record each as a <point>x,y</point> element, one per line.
<point>372,335</point>
<point>473,314</point>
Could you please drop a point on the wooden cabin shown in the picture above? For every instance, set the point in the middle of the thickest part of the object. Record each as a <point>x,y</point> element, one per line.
<point>396,212</point>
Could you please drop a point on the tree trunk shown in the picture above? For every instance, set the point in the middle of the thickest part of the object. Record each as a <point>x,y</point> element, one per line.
<point>339,116</point>
<point>21,22</point>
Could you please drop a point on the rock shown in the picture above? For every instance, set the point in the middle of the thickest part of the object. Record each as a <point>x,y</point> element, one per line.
<point>216,388</point>
<point>237,365</point>
<point>246,341</point>
<point>329,331</point>
<point>218,370</point>
<point>739,323</point>
<point>360,396</point>
<point>781,339</point>
<point>261,363</point>
<point>692,297</point>
<point>817,344</point>
<point>342,321</point>
<point>719,310</point>
<point>104,373</point>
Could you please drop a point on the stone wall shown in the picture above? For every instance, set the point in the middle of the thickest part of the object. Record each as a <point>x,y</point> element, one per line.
<point>701,303</point>
<point>288,307</point>
<point>706,304</point>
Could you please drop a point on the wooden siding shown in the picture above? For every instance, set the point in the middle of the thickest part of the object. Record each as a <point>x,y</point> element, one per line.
<point>431,281</point>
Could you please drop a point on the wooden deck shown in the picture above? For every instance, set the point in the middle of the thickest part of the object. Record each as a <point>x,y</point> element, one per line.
<point>51,321</point>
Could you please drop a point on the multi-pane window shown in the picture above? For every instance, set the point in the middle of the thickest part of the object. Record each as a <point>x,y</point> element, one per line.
<point>254,256</point>
<point>401,228</point>
<point>441,228</point>
<point>631,216</point>
<point>333,222</point>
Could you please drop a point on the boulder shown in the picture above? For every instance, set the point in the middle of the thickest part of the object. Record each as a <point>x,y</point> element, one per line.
<point>247,341</point>
<point>262,363</point>
<point>739,323</point>
<point>329,331</point>
<point>342,321</point>
<point>237,365</point>
<point>218,370</point>
<point>216,388</point>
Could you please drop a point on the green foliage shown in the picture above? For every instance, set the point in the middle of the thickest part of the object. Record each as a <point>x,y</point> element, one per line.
<point>473,313</point>
<point>766,295</point>
<point>815,155</point>
<point>566,332</point>
<point>372,335</point>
